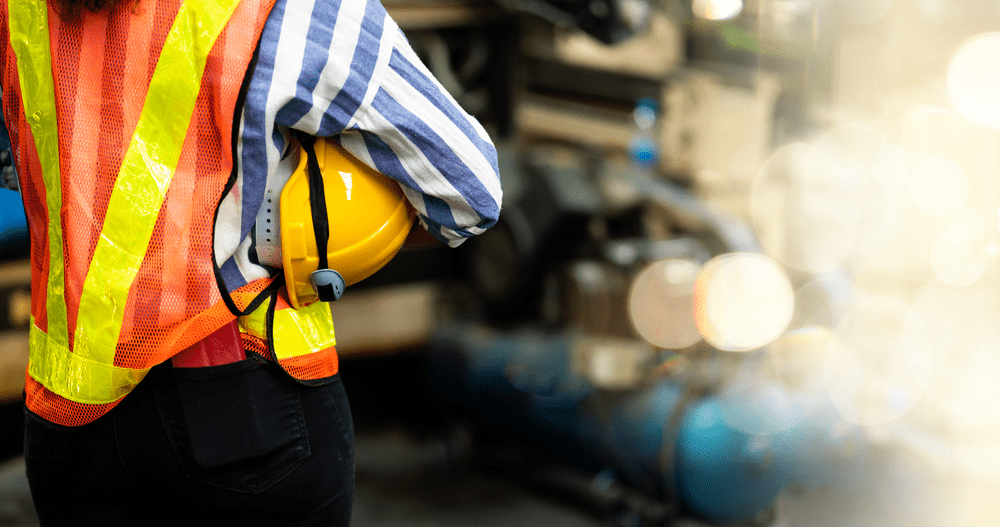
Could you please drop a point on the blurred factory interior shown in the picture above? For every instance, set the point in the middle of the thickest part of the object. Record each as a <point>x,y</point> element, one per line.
<point>747,273</point>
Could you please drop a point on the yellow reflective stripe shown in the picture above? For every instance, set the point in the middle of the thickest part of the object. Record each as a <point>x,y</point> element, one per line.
<point>302,331</point>
<point>296,331</point>
<point>28,23</point>
<point>83,380</point>
<point>145,175</point>
<point>255,323</point>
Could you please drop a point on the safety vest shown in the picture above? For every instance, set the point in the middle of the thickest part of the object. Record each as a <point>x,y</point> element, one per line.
<point>121,190</point>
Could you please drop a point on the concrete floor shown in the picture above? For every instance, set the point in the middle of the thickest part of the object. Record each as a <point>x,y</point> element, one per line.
<point>401,482</point>
<point>16,509</point>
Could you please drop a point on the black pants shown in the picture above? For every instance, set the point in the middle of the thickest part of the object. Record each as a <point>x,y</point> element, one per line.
<point>238,444</point>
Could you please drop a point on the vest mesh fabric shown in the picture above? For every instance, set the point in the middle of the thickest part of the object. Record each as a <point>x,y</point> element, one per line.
<point>102,66</point>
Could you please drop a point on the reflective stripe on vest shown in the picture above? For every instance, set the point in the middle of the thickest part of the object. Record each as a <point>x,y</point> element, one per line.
<point>29,35</point>
<point>87,373</point>
<point>296,332</point>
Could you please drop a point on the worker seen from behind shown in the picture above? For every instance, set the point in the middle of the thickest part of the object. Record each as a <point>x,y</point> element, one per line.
<point>171,380</point>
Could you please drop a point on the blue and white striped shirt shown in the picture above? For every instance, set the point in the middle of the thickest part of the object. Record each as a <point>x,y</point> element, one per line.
<point>343,68</point>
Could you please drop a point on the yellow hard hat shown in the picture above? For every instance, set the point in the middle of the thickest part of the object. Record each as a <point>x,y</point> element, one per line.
<point>366,219</point>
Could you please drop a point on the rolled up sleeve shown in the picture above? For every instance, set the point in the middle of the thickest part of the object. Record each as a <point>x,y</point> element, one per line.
<point>414,132</point>
<point>359,80</point>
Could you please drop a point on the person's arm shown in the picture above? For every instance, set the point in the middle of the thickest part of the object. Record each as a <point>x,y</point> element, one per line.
<point>414,132</point>
<point>370,90</point>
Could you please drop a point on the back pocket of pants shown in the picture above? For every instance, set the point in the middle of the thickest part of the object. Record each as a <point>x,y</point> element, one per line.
<point>237,426</point>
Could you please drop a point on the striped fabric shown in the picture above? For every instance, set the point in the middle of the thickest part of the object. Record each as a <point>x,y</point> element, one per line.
<point>343,68</point>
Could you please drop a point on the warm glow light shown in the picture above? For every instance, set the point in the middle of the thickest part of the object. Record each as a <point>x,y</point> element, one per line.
<point>796,359</point>
<point>742,301</point>
<point>761,402</point>
<point>891,166</point>
<point>761,407</point>
<point>962,323</point>
<point>805,208</point>
<point>879,364</point>
<point>854,146</point>
<point>860,12</point>
<point>974,80</point>
<point>717,9</point>
<point>867,11</point>
<point>939,186</point>
<point>959,256</point>
<point>824,301</point>
<point>882,213</point>
<point>930,130</point>
<point>660,304</point>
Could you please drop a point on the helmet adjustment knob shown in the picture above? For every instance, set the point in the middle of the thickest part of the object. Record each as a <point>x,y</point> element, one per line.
<point>329,284</point>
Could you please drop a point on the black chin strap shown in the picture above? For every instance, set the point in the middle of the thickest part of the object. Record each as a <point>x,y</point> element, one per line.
<point>328,283</point>
<point>317,198</point>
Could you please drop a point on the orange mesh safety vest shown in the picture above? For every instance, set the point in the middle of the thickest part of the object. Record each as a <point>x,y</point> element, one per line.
<point>121,125</point>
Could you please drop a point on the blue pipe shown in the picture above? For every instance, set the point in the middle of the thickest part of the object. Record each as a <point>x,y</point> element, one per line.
<point>522,382</point>
<point>13,225</point>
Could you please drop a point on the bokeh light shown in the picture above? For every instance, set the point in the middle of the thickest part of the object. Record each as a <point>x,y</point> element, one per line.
<point>960,255</point>
<point>761,407</point>
<point>962,325</point>
<point>863,12</point>
<point>717,9</point>
<point>796,359</point>
<point>661,306</point>
<point>880,362</point>
<point>805,208</point>
<point>939,186</point>
<point>891,166</point>
<point>883,213</point>
<point>928,130</point>
<point>783,392</point>
<point>854,146</point>
<point>743,301</point>
<point>824,301</point>
<point>974,80</point>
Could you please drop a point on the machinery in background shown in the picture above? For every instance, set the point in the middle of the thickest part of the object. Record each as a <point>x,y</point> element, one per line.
<point>672,446</point>
<point>535,349</point>
<point>548,356</point>
<point>15,302</point>
<point>610,21</point>
<point>15,292</point>
<point>13,225</point>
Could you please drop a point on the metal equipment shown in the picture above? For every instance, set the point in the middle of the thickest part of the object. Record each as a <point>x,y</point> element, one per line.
<point>675,440</point>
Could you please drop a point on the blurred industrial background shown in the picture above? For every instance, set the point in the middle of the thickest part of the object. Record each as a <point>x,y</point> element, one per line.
<point>747,273</point>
